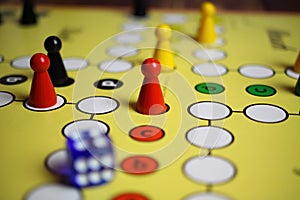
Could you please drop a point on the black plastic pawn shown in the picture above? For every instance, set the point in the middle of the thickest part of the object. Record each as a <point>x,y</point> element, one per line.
<point>28,16</point>
<point>1,18</point>
<point>57,70</point>
<point>140,8</point>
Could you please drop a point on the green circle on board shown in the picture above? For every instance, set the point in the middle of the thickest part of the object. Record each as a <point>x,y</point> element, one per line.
<point>209,88</point>
<point>261,90</point>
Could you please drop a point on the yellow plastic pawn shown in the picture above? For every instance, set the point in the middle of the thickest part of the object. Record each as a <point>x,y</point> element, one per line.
<point>297,64</point>
<point>206,32</point>
<point>163,52</point>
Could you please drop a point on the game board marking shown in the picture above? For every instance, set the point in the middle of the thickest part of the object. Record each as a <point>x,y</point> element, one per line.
<point>173,18</point>
<point>208,195</point>
<point>13,79</point>
<point>209,170</point>
<point>1,58</point>
<point>122,51</point>
<point>130,196</point>
<point>54,191</point>
<point>73,63</point>
<point>128,38</point>
<point>209,137</point>
<point>256,71</point>
<point>132,25</point>
<point>290,72</point>
<point>72,129</point>
<point>97,105</point>
<point>209,110</point>
<point>261,90</point>
<point>21,62</point>
<point>219,29</point>
<point>57,163</point>
<point>6,98</point>
<point>209,54</point>
<point>209,69</point>
<point>61,101</point>
<point>115,66</point>
<point>139,165</point>
<point>108,84</point>
<point>209,88</point>
<point>146,133</point>
<point>266,113</point>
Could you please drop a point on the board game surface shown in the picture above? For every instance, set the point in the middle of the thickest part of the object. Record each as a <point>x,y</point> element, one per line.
<point>231,130</point>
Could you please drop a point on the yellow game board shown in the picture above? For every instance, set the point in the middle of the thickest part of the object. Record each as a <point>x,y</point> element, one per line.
<point>231,131</point>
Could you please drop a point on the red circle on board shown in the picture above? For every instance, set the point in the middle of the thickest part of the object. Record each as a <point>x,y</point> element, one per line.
<point>146,133</point>
<point>130,196</point>
<point>139,165</point>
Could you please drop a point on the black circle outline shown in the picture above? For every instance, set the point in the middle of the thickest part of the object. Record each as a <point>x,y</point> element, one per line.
<point>46,162</point>
<point>220,183</point>
<point>223,88</point>
<point>225,54</point>
<point>286,113</point>
<point>226,69</point>
<point>96,83</point>
<point>75,121</point>
<point>13,98</point>
<point>230,110</point>
<point>163,133</point>
<point>247,89</point>
<point>232,136</point>
<point>77,105</point>
<point>12,75</point>
<point>46,110</point>
<point>261,65</point>
<point>114,60</point>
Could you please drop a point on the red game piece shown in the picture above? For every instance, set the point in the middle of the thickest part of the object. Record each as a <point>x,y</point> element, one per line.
<point>151,100</point>
<point>42,93</point>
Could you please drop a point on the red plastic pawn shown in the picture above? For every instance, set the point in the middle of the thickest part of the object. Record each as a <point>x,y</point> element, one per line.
<point>151,100</point>
<point>42,93</point>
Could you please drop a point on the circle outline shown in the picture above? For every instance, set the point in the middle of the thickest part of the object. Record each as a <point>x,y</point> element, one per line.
<point>46,110</point>
<point>257,65</point>
<point>147,139</point>
<point>13,98</point>
<point>248,87</point>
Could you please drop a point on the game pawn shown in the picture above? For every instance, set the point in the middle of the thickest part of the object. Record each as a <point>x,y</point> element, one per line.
<point>42,93</point>
<point>163,52</point>
<point>140,8</point>
<point>151,100</point>
<point>91,158</point>
<point>206,33</point>
<point>57,70</point>
<point>296,67</point>
<point>28,15</point>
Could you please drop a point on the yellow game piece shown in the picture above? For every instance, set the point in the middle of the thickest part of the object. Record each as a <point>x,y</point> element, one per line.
<point>297,64</point>
<point>206,32</point>
<point>163,52</point>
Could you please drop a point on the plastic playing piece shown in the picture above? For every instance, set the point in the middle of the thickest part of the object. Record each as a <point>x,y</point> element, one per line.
<point>28,16</point>
<point>297,64</point>
<point>206,32</point>
<point>151,100</point>
<point>91,157</point>
<point>297,88</point>
<point>42,93</point>
<point>57,71</point>
<point>163,52</point>
<point>140,8</point>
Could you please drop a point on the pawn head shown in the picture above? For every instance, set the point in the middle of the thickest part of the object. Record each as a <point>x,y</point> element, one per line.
<point>39,62</point>
<point>151,68</point>
<point>208,9</point>
<point>52,44</point>
<point>163,32</point>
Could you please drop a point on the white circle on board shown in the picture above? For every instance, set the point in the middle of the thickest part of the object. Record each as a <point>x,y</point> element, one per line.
<point>22,62</point>
<point>208,110</point>
<point>6,98</point>
<point>122,51</point>
<point>210,54</point>
<point>57,163</point>
<point>133,25</point>
<point>174,18</point>
<point>115,66</point>
<point>60,102</point>
<point>219,29</point>
<point>209,137</point>
<point>97,105</point>
<point>291,73</point>
<point>75,63</point>
<point>210,69</point>
<point>128,38</point>
<point>219,42</point>
<point>209,170</point>
<point>266,113</point>
<point>54,191</point>
<point>256,71</point>
<point>73,129</point>
<point>206,196</point>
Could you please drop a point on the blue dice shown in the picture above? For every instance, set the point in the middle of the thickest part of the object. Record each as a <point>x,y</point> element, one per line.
<point>91,158</point>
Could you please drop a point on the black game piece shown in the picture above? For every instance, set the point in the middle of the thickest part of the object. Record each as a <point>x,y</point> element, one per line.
<point>28,15</point>
<point>57,71</point>
<point>140,8</point>
<point>1,18</point>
